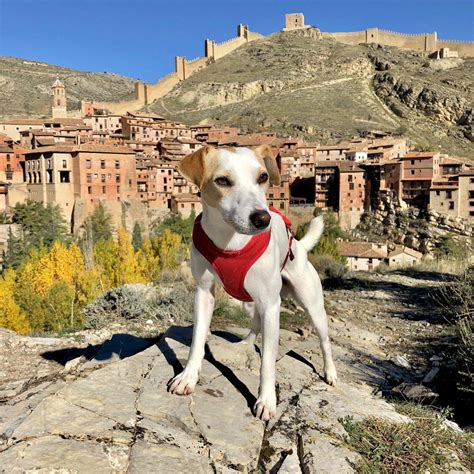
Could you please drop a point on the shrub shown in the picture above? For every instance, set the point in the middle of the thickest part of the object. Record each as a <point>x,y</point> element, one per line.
<point>329,270</point>
<point>139,303</point>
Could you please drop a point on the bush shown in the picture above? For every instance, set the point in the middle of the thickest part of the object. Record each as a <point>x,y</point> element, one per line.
<point>329,270</point>
<point>457,305</point>
<point>138,303</point>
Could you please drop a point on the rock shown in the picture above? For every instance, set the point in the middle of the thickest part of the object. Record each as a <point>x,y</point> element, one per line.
<point>431,375</point>
<point>400,361</point>
<point>291,464</point>
<point>149,322</point>
<point>416,392</point>
<point>322,453</point>
<point>74,363</point>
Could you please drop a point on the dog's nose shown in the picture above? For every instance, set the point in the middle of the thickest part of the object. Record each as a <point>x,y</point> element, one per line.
<point>260,219</point>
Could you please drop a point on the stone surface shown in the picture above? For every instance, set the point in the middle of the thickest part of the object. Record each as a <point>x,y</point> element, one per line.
<point>118,417</point>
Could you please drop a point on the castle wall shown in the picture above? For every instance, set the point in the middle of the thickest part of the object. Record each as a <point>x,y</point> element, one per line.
<point>355,37</point>
<point>464,48</point>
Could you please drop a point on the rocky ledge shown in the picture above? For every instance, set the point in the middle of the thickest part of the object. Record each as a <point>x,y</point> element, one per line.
<point>113,413</point>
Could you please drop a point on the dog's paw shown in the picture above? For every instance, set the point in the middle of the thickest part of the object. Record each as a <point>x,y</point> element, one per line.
<point>330,375</point>
<point>265,407</point>
<point>183,384</point>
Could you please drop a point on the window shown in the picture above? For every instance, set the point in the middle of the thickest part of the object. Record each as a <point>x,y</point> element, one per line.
<point>412,171</point>
<point>64,164</point>
<point>349,178</point>
<point>117,178</point>
<point>471,194</point>
<point>451,204</point>
<point>351,186</point>
<point>270,195</point>
<point>282,205</point>
<point>103,189</point>
<point>437,193</point>
<point>88,164</point>
<point>118,189</point>
<point>471,213</point>
<point>117,164</point>
<point>282,195</point>
<point>89,189</point>
<point>102,164</point>
<point>412,162</point>
<point>449,194</point>
<point>102,178</point>
<point>89,177</point>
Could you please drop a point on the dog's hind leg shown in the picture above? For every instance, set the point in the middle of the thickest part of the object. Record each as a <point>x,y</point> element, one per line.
<point>254,332</point>
<point>308,292</point>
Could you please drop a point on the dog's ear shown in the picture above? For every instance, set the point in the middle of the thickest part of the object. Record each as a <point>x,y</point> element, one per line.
<point>192,166</point>
<point>266,154</point>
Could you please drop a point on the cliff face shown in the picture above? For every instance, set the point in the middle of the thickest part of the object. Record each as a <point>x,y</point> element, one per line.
<point>25,87</point>
<point>298,83</point>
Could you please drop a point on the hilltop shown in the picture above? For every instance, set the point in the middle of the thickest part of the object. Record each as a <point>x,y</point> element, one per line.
<point>25,87</point>
<point>297,83</point>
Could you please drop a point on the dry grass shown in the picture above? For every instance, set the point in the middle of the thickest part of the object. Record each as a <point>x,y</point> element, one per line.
<point>425,444</point>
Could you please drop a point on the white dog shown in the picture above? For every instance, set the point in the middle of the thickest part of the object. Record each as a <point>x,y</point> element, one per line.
<point>233,184</point>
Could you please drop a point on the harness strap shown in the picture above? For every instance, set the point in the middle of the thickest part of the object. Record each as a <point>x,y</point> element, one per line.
<point>289,255</point>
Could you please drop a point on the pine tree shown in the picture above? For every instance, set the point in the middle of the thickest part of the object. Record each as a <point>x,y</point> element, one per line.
<point>100,222</point>
<point>137,240</point>
<point>16,251</point>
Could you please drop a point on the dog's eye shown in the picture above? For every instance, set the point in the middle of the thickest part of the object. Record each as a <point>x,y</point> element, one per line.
<point>223,181</point>
<point>263,178</point>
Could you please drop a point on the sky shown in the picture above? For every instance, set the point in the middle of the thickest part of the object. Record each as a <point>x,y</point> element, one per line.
<point>140,38</point>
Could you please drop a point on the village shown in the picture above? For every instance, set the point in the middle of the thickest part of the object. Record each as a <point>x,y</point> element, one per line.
<point>128,162</point>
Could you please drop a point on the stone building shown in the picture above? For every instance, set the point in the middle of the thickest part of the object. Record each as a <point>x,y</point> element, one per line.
<point>362,256</point>
<point>63,174</point>
<point>59,107</point>
<point>294,21</point>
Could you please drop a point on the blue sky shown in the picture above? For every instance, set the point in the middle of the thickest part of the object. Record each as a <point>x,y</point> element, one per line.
<point>139,38</point>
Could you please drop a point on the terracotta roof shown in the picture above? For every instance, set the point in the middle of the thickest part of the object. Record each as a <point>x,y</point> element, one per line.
<point>349,167</point>
<point>455,160</point>
<point>399,250</point>
<point>360,249</point>
<point>339,146</point>
<point>86,147</point>
<point>22,122</point>
<point>57,83</point>
<point>419,155</point>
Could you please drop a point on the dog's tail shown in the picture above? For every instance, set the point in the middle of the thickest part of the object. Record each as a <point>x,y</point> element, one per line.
<point>313,234</point>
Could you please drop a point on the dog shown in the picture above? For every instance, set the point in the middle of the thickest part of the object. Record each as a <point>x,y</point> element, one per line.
<point>233,183</point>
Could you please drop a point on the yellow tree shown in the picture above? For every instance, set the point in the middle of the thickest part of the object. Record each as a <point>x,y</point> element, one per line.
<point>11,316</point>
<point>169,249</point>
<point>131,268</point>
<point>150,260</point>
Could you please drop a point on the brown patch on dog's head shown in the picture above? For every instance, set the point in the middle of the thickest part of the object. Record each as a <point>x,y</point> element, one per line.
<point>195,166</point>
<point>265,156</point>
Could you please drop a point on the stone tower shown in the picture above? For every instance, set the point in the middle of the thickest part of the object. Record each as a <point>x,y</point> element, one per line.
<point>59,109</point>
<point>294,21</point>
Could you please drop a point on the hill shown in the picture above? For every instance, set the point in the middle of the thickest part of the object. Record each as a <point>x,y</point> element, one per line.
<point>297,83</point>
<point>25,87</point>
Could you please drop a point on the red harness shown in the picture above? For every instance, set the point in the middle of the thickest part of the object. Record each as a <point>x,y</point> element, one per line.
<point>232,265</point>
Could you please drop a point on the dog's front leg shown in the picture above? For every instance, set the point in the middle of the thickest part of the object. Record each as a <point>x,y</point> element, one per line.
<point>185,382</point>
<point>265,407</point>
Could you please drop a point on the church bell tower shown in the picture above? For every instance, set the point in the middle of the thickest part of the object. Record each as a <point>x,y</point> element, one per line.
<point>59,99</point>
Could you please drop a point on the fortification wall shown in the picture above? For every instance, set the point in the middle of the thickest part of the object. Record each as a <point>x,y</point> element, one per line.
<point>464,48</point>
<point>355,37</point>
<point>120,107</point>
<point>419,42</point>
<point>162,87</point>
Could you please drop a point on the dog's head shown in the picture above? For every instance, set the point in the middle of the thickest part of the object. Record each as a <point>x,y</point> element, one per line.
<point>234,181</point>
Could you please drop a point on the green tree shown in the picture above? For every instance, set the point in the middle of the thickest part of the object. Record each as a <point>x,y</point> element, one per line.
<point>16,252</point>
<point>137,240</point>
<point>178,225</point>
<point>4,219</point>
<point>100,224</point>
<point>40,225</point>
